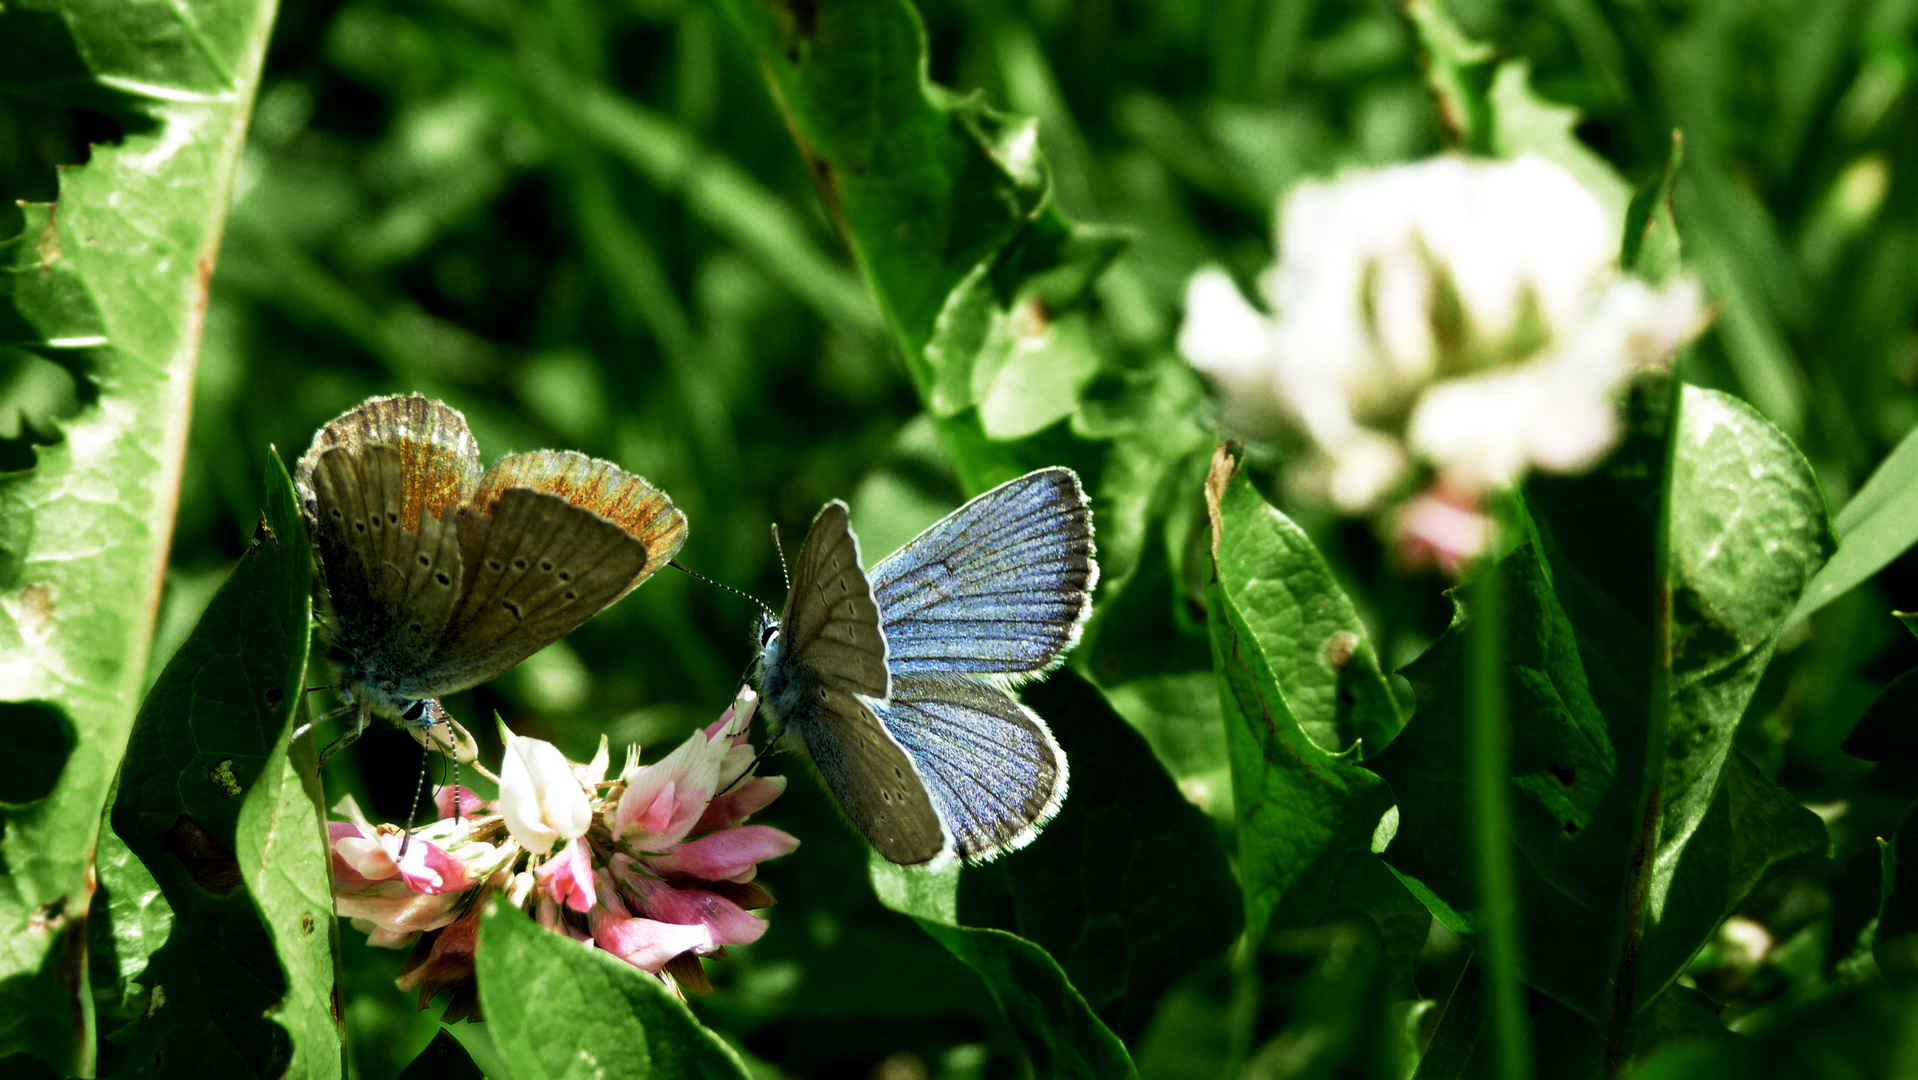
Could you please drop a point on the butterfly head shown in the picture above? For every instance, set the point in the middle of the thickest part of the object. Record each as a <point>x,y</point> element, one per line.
<point>771,657</point>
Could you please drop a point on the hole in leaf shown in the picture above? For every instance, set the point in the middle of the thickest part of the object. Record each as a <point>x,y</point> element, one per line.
<point>35,395</point>
<point>39,739</point>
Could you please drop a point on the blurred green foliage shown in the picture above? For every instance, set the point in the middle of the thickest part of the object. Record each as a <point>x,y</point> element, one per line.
<point>586,225</point>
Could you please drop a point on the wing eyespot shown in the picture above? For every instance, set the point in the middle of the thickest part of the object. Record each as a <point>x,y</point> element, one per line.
<point>335,512</point>
<point>442,578</point>
<point>392,517</point>
<point>359,526</point>
<point>424,561</point>
<point>546,566</point>
<point>511,607</point>
<point>570,596</point>
<point>378,521</point>
<point>494,565</point>
<point>519,564</point>
<point>566,575</point>
<point>415,627</point>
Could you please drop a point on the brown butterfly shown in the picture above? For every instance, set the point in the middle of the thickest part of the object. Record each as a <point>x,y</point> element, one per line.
<point>440,578</point>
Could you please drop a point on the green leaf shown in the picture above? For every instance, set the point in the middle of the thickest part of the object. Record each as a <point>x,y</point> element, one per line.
<point>558,1009</point>
<point>212,807</point>
<point>443,1059</point>
<point>1524,123</point>
<point>981,278</point>
<point>1061,1034</point>
<point>1564,1043</point>
<point>1651,245</point>
<point>1886,731</point>
<point>110,282</point>
<point>1127,887</point>
<point>285,857</point>
<point>1300,687</point>
<point>1857,1031</point>
<point>1601,729</point>
<point>1345,1014</point>
<point>1458,71</point>
<point>1895,943</point>
<point>1879,524</point>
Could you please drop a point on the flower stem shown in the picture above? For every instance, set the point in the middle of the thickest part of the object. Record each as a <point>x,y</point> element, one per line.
<point>1491,827</point>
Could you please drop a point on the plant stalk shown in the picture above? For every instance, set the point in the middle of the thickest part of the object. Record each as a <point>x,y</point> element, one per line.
<point>1491,826</point>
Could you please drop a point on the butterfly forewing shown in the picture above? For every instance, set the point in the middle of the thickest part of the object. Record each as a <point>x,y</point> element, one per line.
<point>831,625</point>
<point>999,587</point>
<point>990,765</point>
<point>639,509</point>
<point>536,568</point>
<point>549,540</point>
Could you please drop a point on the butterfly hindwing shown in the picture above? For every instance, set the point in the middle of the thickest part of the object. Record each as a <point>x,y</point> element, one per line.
<point>998,588</point>
<point>989,764</point>
<point>392,588</point>
<point>871,776</point>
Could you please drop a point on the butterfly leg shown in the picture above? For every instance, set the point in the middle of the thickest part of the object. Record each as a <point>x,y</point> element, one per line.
<point>301,731</point>
<point>352,735</point>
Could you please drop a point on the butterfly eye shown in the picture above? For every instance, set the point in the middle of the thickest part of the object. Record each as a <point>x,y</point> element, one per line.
<point>767,635</point>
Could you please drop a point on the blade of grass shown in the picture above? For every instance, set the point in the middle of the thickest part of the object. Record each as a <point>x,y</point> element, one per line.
<point>1879,524</point>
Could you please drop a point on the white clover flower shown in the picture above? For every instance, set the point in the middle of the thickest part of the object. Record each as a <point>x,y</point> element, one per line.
<point>1466,316</point>
<point>540,798</point>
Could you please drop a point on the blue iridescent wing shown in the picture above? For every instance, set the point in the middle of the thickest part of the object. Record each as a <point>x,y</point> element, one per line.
<point>1000,587</point>
<point>992,769</point>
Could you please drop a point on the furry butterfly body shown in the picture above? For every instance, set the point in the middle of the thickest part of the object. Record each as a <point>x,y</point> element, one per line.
<point>440,577</point>
<point>898,681</point>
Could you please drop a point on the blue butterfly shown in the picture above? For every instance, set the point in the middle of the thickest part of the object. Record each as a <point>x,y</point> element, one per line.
<point>899,681</point>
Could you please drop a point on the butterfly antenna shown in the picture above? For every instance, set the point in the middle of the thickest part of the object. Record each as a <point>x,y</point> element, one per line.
<point>780,550</point>
<point>675,564</point>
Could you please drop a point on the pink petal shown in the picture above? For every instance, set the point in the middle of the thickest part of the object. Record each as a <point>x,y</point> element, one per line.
<point>659,814</point>
<point>365,859</point>
<point>741,802</point>
<point>728,855</point>
<point>647,943</point>
<point>428,869</point>
<point>728,922</point>
<point>469,801</point>
<point>400,914</point>
<point>568,876</point>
